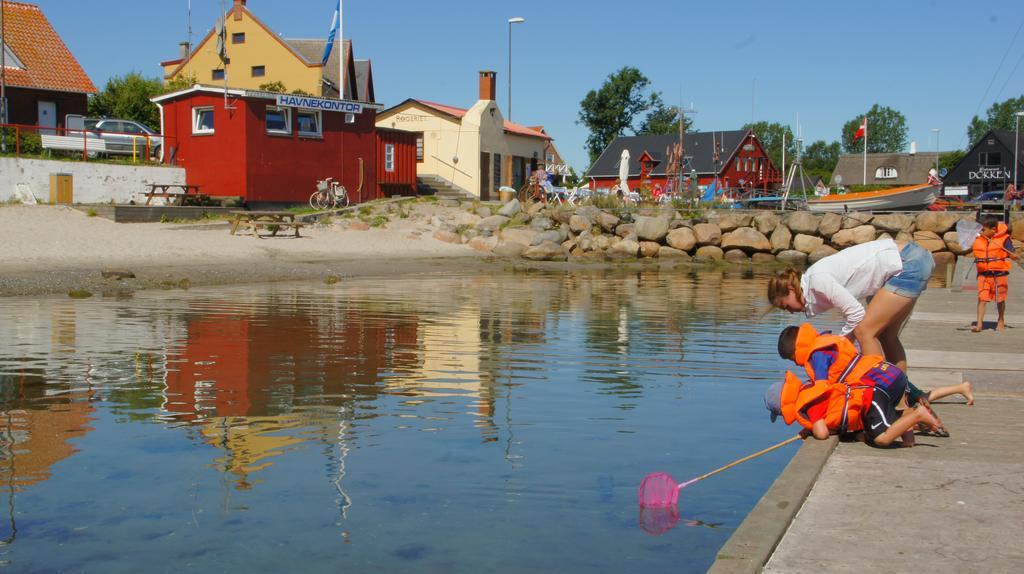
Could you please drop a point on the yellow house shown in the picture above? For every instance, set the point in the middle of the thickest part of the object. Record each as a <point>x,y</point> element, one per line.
<point>468,152</point>
<point>257,56</point>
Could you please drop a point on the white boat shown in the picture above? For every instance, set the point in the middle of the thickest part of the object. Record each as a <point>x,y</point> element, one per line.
<point>908,198</point>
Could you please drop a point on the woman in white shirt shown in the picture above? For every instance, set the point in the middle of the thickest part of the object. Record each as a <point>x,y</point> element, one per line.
<point>892,277</point>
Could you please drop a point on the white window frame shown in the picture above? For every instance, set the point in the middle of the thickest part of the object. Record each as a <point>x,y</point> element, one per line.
<point>886,172</point>
<point>196,129</point>
<point>389,158</point>
<point>287,113</point>
<point>350,118</point>
<point>11,59</point>
<point>319,123</point>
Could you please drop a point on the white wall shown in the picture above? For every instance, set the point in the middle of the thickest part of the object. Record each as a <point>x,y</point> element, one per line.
<point>93,182</point>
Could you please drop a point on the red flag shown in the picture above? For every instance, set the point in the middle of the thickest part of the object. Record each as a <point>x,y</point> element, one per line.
<point>861,130</point>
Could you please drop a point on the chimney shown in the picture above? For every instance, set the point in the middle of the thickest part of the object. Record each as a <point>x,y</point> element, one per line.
<point>913,147</point>
<point>235,9</point>
<point>239,2</point>
<point>183,50</point>
<point>487,85</point>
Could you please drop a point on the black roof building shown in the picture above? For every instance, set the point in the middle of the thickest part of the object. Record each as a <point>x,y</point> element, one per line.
<point>988,165</point>
<point>699,151</point>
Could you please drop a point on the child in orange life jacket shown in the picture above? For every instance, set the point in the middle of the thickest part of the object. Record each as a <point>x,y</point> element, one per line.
<point>992,250</point>
<point>847,391</point>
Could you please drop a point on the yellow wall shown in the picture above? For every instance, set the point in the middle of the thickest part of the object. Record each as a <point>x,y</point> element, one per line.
<point>261,48</point>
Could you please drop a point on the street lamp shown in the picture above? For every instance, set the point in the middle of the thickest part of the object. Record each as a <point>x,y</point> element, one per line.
<point>936,130</point>
<point>516,20</point>
<point>1016,145</point>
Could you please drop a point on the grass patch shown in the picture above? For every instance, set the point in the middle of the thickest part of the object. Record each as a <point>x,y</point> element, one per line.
<point>378,221</point>
<point>332,279</point>
<point>79,294</point>
<point>91,213</point>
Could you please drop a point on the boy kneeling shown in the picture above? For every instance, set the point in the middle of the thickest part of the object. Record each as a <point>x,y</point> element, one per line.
<point>846,392</point>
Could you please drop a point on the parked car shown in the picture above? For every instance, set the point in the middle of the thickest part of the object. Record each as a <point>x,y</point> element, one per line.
<point>125,136</point>
<point>988,197</point>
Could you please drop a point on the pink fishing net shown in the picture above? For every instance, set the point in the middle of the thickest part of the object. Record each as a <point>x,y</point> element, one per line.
<point>657,490</point>
<point>659,520</point>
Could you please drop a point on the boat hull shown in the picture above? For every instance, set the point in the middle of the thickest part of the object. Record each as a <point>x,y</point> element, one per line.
<point>908,198</point>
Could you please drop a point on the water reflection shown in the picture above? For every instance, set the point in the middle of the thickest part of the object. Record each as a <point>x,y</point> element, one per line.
<point>395,391</point>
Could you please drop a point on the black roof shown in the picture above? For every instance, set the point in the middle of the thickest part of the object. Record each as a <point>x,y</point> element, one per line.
<point>699,148</point>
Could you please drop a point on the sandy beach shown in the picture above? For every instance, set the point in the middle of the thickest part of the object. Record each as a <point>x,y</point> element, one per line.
<point>58,248</point>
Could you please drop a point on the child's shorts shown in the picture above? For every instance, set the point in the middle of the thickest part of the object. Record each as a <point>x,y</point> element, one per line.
<point>882,413</point>
<point>990,287</point>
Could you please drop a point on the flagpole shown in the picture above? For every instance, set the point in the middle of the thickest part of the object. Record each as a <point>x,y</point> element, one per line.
<point>865,150</point>
<point>342,56</point>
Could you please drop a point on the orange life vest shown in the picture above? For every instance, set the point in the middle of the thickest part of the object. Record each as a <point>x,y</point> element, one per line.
<point>990,254</point>
<point>845,389</point>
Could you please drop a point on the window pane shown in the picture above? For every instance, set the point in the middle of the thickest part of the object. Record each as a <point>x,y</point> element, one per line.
<point>204,120</point>
<point>389,157</point>
<point>277,120</point>
<point>238,38</point>
<point>259,71</point>
<point>309,123</point>
<point>218,74</point>
<point>419,148</point>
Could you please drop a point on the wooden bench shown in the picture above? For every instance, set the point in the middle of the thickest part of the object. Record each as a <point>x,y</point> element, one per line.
<point>178,193</point>
<point>271,220</point>
<point>81,143</point>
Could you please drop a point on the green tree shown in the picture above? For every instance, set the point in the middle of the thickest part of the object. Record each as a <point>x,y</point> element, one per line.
<point>951,158</point>
<point>1000,116</point>
<point>127,97</point>
<point>178,83</point>
<point>662,119</point>
<point>820,159</point>
<point>611,110</point>
<point>274,87</point>
<point>771,134</point>
<point>887,132</point>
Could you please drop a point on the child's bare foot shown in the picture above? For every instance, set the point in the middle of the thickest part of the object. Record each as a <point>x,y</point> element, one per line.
<point>1000,326</point>
<point>925,415</point>
<point>967,393</point>
<point>976,329</point>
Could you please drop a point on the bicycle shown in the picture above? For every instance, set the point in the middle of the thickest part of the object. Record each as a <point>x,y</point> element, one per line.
<point>329,194</point>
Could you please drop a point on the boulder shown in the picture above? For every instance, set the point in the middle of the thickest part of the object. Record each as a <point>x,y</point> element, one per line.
<point>535,207</point>
<point>483,212</point>
<point>588,211</point>
<point>460,218</point>
<point>884,235</point>
<point>591,257</point>
<point>709,253</point>
<point>736,256</point>
<point>552,235</point>
<point>569,245</point>
<point>523,235</point>
<point>943,258</point>
<point>625,249</point>
<point>830,224</point>
<point>929,240</point>
<point>767,222</point>
<point>607,221</point>
<point>952,240</point>
<point>856,219</point>
<point>820,253</point>
<point>682,238</point>
<point>492,223</point>
<point>733,221</point>
<point>854,236</point>
<point>508,249</point>
<point>893,222</point>
<point>511,208</point>
<point>746,238</point>
<point>673,253</point>
<point>603,242</point>
<point>485,244</point>
<point>579,223</point>
<point>542,223</point>
<point>652,228</point>
<point>447,236</point>
<point>936,221</point>
<point>649,248</point>
<point>707,234</point>
<point>547,251</point>
<point>792,257</point>
<point>802,222</point>
<point>807,243</point>
<point>781,238</point>
<point>762,258</point>
<point>561,215</point>
<point>902,238</point>
<point>1017,226</point>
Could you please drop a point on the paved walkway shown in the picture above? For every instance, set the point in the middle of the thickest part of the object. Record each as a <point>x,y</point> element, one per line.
<point>948,505</point>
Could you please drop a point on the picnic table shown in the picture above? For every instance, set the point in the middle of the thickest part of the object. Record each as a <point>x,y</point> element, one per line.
<point>176,193</point>
<point>273,221</point>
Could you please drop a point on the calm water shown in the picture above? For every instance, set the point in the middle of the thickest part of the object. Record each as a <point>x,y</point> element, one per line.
<point>430,424</point>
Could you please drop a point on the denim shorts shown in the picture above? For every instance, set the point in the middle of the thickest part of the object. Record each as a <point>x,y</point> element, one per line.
<point>918,265</point>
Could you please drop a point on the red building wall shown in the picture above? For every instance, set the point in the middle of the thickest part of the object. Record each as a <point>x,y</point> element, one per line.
<point>402,180</point>
<point>214,161</point>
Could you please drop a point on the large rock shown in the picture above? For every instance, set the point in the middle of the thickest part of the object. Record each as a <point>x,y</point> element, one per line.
<point>733,221</point>
<point>552,235</point>
<point>762,258</point>
<point>781,238</point>
<point>561,215</point>
<point>511,208</point>
<point>547,251</point>
<point>673,253</point>
<point>579,223</point>
<point>460,218</point>
<point>707,234</point>
<point>943,258</point>
<point>820,253</point>
<point>607,221</point>
<point>830,224</point>
<point>807,243</point>
<point>447,236</point>
<point>585,242</point>
<point>929,240</point>
<point>649,248</point>
<point>854,236</point>
<point>902,238</point>
<point>1017,226</point>
<point>893,222</point>
<point>652,228</point>
<point>792,257</point>
<point>936,221</point>
<point>802,222</point>
<point>589,211</point>
<point>533,208</point>
<point>746,238</point>
<point>952,240</point>
<point>625,249</point>
<point>508,249</point>
<point>523,235</point>
<point>492,223</point>
<point>856,219</point>
<point>709,253</point>
<point>736,256</point>
<point>542,223</point>
<point>767,222</point>
<point>485,244</point>
<point>603,242</point>
<point>625,229</point>
<point>682,238</point>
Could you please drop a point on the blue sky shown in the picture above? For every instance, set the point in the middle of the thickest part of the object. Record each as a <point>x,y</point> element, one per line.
<point>826,61</point>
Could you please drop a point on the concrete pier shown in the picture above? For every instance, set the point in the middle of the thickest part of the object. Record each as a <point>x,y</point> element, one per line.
<point>947,505</point>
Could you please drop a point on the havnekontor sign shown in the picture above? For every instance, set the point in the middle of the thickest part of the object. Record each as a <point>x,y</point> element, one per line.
<point>327,105</point>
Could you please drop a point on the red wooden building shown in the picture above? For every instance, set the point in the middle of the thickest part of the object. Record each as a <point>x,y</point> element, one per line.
<point>270,148</point>
<point>736,158</point>
<point>396,162</point>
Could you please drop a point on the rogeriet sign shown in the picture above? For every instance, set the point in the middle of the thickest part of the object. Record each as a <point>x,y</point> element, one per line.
<point>308,103</point>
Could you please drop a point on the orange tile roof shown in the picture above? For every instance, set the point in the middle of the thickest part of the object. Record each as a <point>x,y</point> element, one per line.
<point>48,64</point>
<point>510,127</point>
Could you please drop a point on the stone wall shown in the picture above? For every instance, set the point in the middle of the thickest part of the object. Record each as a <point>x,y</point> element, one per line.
<point>587,233</point>
<point>93,182</point>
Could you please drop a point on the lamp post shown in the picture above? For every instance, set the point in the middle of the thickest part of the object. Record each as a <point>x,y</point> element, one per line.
<point>1016,145</point>
<point>516,20</point>
<point>3,79</point>
<point>936,130</point>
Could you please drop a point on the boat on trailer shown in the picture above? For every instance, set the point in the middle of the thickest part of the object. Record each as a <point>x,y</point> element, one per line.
<point>907,198</point>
